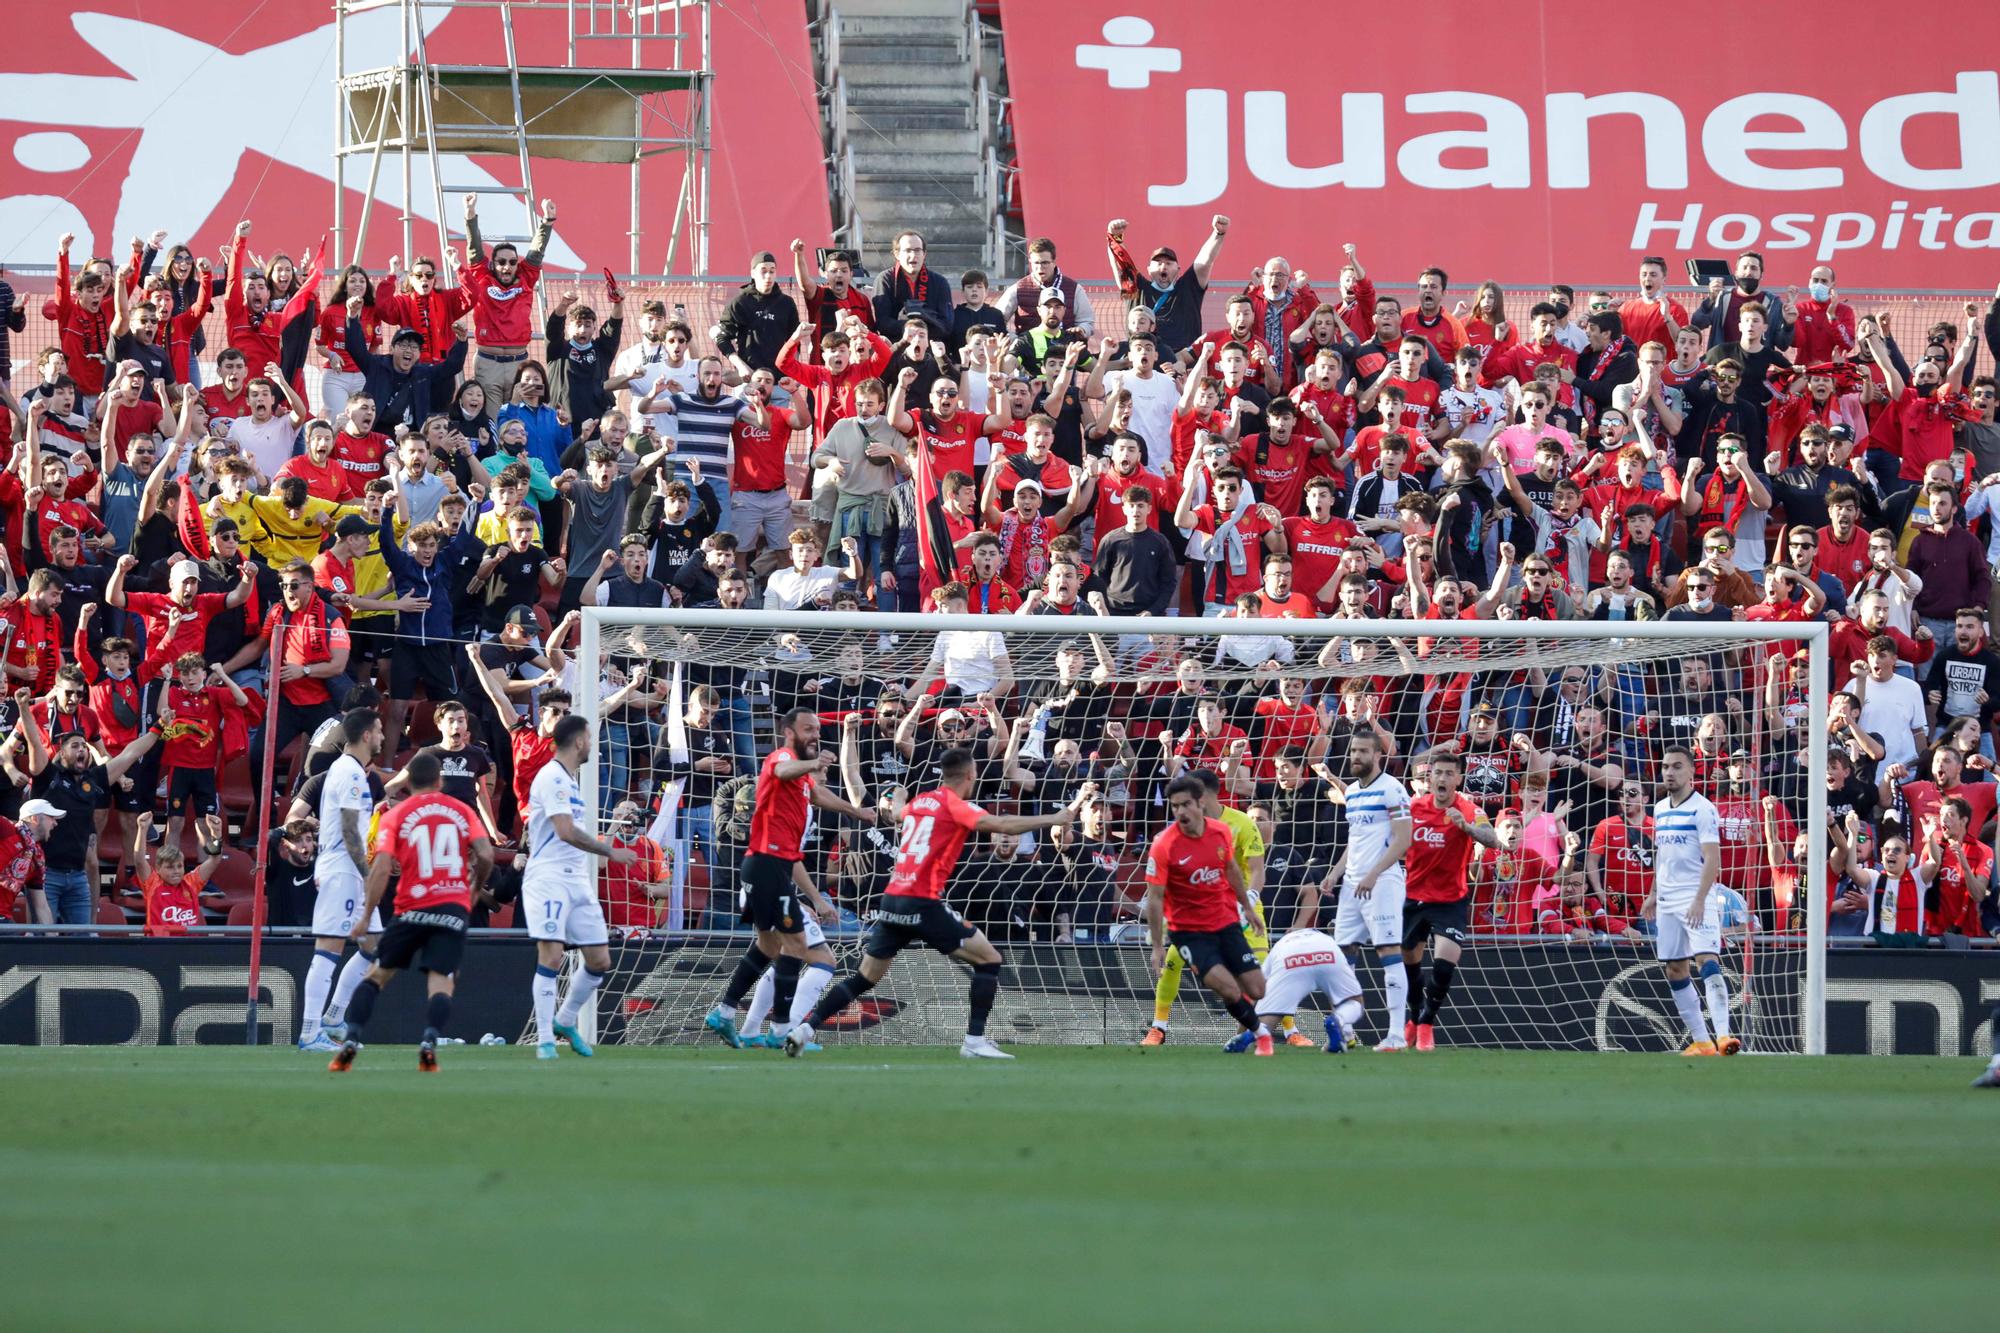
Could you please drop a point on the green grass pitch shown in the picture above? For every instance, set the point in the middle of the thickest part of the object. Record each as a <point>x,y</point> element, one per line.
<point>211,1188</point>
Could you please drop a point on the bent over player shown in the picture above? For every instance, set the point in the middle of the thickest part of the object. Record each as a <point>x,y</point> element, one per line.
<point>1305,961</point>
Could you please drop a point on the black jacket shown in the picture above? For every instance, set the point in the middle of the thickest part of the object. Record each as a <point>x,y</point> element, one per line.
<point>756,325</point>
<point>405,396</point>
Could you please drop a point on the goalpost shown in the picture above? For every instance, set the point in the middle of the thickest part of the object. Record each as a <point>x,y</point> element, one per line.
<point>1558,958</point>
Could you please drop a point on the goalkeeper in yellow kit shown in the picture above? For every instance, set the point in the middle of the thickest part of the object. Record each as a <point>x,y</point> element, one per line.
<point>1249,860</point>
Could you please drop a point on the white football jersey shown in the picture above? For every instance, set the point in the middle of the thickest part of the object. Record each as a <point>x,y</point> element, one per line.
<point>346,789</point>
<point>1372,810</point>
<point>555,792</point>
<point>1679,833</point>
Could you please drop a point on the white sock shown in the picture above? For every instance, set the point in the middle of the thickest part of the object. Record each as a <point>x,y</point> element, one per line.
<point>1396,995</point>
<point>813,982</point>
<point>1349,1013</point>
<point>760,1004</point>
<point>1158,1024</point>
<point>319,984</point>
<point>545,1004</point>
<point>1263,1029</point>
<point>1717,987</point>
<point>1689,1004</point>
<point>351,973</point>
<point>581,987</point>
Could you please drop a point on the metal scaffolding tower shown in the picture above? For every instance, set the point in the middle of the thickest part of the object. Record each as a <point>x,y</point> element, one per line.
<point>654,103</point>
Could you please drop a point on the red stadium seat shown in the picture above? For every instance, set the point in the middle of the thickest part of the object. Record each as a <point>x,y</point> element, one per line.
<point>109,913</point>
<point>237,875</point>
<point>502,919</point>
<point>234,785</point>
<point>240,914</point>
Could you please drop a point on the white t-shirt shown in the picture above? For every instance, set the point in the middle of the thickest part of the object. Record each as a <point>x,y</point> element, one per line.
<point>1153,401</point>
<point>970,659</point>
<point>1679,834</point>
<point>789,590</point>
<point>1893,709</point>
<point>346,789</point>
<point>647,364</point>
<point>1372,810</point>
<point>268,446</point>
<point>554,793</point>
<point>1477,415</point>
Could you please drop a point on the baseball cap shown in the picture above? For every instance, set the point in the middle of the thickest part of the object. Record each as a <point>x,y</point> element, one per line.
<point>41,808</point>
<point>762,257</point>
<point>1166,252</point>
<point>1051,296</point>
<point>183,569</point>
<point>522,615</point>
<point>223,527</point>
<point>1840,430</point>
<point>353,526</point>
<point>1485,709</point>
<point>1029,484</point>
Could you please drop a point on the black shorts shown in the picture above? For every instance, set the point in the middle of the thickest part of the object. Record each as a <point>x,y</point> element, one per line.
<point>433,939</point>
<point>428,664</point>
<point>901,921</point>
<point>145,788</point>
<point>770,899</point>
<point>1202,950</point>
<point>191,791</point>
<point>373,640</point>
<point>1451,921</point>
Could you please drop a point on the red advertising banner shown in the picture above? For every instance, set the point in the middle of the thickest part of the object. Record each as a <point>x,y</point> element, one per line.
<point>1527,143</point>
<point>121,116</point>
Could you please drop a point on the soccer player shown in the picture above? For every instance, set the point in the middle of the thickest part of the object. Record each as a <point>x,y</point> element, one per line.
<point>1197,899</point>
<point>345,803</point>
<point>1303,962</point>
<point>424,840</point>
<point>913,911</point>
<point>1371,875</point>
<point>773,876</point>
<point>1444,825</point>
<point>559,891</point>
<point>1689,842</point>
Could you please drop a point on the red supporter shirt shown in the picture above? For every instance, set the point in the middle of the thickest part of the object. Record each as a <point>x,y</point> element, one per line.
<point>430,835</point>
<point>224,406</point>
<point>760,453</point>
<point>333,335</point>
<point>1480,334</point>
<point>1847,561</point>
<point>1420,405</point>
<point>194,737</point>
<point>1516,892</point>
<point>503,316</point>
<point>21,865</point>
<point>310,640</point>
<point>141,418</point>
<point>153,608</point>
<point>1625,861</point>
<point>1444,333</point>
<point>1193,872</point>
<point>935,827</point>
<point>1285,727</point>
<point>172,909</point>
<point>1957,911</point>
<point>1643,324</point>
<point>1183,433</point>
<point>359,458</point>
<point>328,482</point>
<point>1316,550</point>
<point>1740,823</point>
<point>30,640</point>
<point>783,811</point>
<point>1278,471</point>
<point>1440,851</point>
<point>335,576</point>
<point>1202,750</point>
<point>1111,488</point>
<point>532,752</point>
<point>1368,449</point>
<point>1252,527</point>
<point>1519,360</point>
<point>623,888</point>
<point>1819,329</point>
<point>946,446</point>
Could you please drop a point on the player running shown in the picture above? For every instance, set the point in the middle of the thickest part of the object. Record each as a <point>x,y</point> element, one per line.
<point>1371,875</point>
<point>932,835</point>
<point>559,889</point>
<point>1444,826</point>
<point>1689,842</point>
<point>1196,898</point>
<point>1305,961</point>
<point>773,876</point>
<point>341,871</point>
<point>423,839</point>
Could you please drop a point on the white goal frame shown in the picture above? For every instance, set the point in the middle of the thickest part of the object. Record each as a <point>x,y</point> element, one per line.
<point>1814,635</point>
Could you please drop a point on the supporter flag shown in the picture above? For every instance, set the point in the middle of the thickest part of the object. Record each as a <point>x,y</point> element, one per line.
<point>664,830</point>
<point>298,319</point>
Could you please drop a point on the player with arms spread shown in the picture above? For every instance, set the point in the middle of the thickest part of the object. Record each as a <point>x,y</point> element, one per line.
<point>345,803</point>
<point>1688,839</point>
<point>1197,899</point>
<point>423,839</point>
<point>559,889</point>
<point>1444,826</point>
<point>773,876</point>
<point>913,910</point>
<point>1371,875</point>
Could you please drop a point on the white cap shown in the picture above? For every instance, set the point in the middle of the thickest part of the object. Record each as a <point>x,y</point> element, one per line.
<point>184,569</point>
<point>40,808</point>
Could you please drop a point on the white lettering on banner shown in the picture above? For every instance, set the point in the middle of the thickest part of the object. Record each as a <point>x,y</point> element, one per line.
<point>1504,141</point>
<point>1794,231</point>
<point>1569,117</point>
<point>1975,105</point>
<point>1267,155</point>
<point>1727,141</point>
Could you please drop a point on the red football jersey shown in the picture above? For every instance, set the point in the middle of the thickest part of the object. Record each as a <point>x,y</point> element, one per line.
<point>1435,869</point>
<point>934,830</point>
<point>1957,910</point>
<point>948,446</point>
<point>430,835</point>
<point>1316,550</point>
<point>194,737</point>
<point>1193,872</point>
<point>783,811</point>
<point>1625,860</point>
<point>172,909</point>
<point>360,459</point>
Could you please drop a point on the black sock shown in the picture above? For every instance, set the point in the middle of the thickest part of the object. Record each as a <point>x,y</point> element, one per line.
<point>1415,973</point>
<point>985,985</point>
<point>1442,973</point>
<point>1244,1013</point>
<point>839,995</point>
<point>748,969</point>
<point>436,1015</point>
<point>361,1007</point>
<point>785,984</point>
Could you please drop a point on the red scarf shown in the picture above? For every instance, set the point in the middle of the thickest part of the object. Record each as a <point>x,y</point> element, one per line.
<point>1713,498</point>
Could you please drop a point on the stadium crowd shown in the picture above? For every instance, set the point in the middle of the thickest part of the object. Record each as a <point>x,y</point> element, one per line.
<point>415,537</point>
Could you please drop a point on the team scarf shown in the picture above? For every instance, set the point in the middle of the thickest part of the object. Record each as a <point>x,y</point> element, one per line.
<point>1716,499</point>
<point>1896,907</point>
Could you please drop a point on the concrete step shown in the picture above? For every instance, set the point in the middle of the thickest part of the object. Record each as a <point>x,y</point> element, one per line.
<point>900,11</point>
<point>937,48</point>
<point>914,212</point>
<point>877,158</point>
<point>866,133</point>
<point>900,119</point>
<point>910,96</point>
<point>887,74</point>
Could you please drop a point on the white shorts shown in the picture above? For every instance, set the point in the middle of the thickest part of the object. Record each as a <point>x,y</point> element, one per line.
<point>1375,920</point>
<point>563,908</point>
<point>1286,992</point>
<point>1678,940</point>
<point>338,906</point>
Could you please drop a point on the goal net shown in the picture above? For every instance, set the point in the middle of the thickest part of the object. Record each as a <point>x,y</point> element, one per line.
<point>1560,729</point>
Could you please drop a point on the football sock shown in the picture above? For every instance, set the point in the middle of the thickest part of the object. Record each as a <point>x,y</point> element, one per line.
<point>545,1005</point>
<point>1245,1013</point>
<point>1350,1013</point>
<point>760,1005</point>
<point>985,985</point>
<point>839,995</point>
<point>436,1014</point>
<point>1717,987</point>
<point>357,967</point>
<point>748,968</point>
<point>811,983</point>
<point>1689,1004</point>
<point>361,1008</point>
<point>581,988</point>
<point>1442,973</point>
<point>784,976</point>
<point>1166,988</point>
<point>1396,993</point>
<point>319,984</point>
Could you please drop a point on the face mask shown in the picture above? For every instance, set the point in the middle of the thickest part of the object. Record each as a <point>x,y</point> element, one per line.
<point>1748,286</point>
<point>1562,310</point>
<point>868,422</point>
<point>1821,291</point>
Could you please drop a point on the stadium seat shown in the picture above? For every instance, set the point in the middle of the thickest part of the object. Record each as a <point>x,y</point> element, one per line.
<point>237,875</point>
<point>502,918</point>
<point>109,913</point>
<point>240,914</point>
<point>234,786</point>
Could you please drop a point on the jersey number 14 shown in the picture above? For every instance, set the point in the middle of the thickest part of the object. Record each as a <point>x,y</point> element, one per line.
<point>438,849</point>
